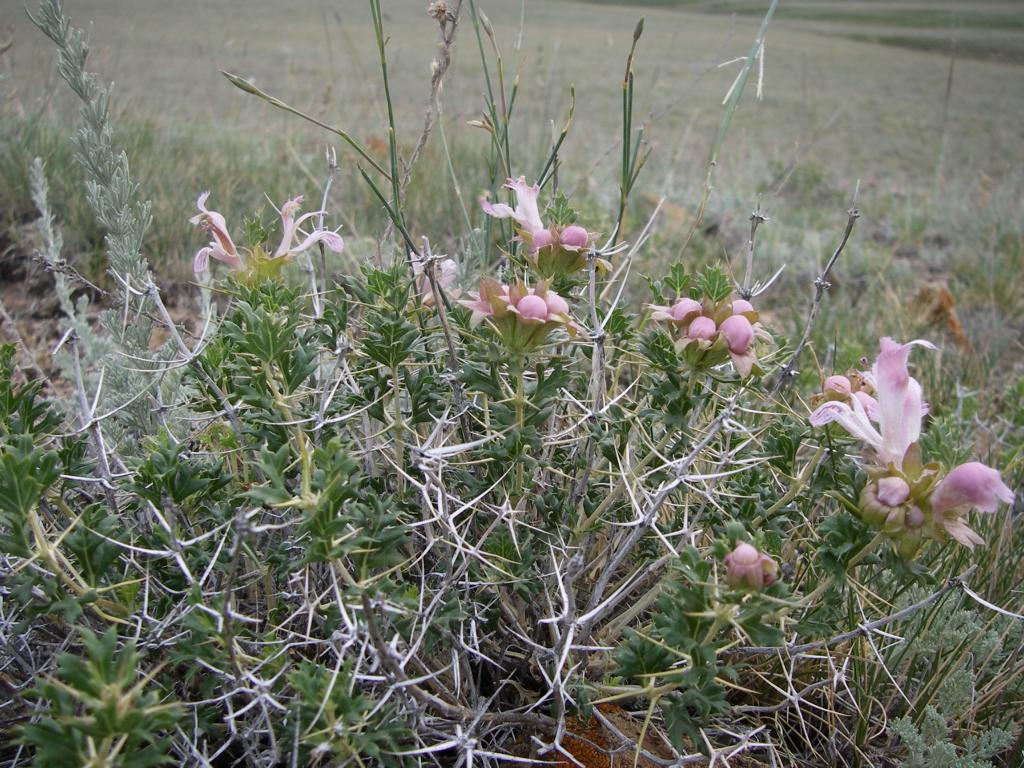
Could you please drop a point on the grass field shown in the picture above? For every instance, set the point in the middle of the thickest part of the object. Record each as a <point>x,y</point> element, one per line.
<point>935,140</point>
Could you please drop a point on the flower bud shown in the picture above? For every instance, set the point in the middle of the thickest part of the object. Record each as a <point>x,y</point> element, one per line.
<point>914,518</point>
<point>556,304</point>
<point>575,237</point>
<point>541,239</point>
<point>880,498</point>
<point>839,385</point>
<point>741,305</point>
<point>892,491</point>
<point>738,332</point>
<point>532,307</point>
<point>746,567</point>
<point>702,328</point>
<point>684,308</point>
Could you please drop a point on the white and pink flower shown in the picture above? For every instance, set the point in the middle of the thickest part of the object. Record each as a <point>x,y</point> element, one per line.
<point>291,230</point>
<point>968,486</point>
<point>900,406</point>
<point>552,250</point>
<point>908,500</point>
<point>221,246</point>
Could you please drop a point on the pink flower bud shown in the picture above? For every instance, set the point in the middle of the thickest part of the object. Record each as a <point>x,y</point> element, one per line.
<point>738,332</point>
<point>914,518</point>
<point>541,239</point>
<point>971,485</point>
<point>746,567</point>
<point>741,305</point>
<point>575,237</point>
<point>684,307</point>
<point>838,384</point>
<point>702,328</point>
<point>892,491</point>
<point>556,304</point>
<point>532,307</point>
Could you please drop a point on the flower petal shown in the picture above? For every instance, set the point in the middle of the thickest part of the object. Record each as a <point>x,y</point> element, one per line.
<point>330,239</point>
<point>960,531</point>
<point>202,260</point>
<point>900,405</point>
<point>853,419</point>
<point>527,212</point>
<point>497,210</point>
<point>970,485</point>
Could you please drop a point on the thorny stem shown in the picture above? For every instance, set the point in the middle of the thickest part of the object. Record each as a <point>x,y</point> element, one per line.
<point>644,524</point>
<point>616,493</point>
<point>70,577</point>
<point>440,305</point>
<point>597,376</point>
<point>451,711</point>
<point>439,67</point>
<point>90,423</point>
<point>194,364</point>
<point>396,394</point>
<point>756,220</point>
<point>520,403</point>
<point>866,550</point>
<point>821,285</point>
<point>792,649</point>
<point>795,488</point>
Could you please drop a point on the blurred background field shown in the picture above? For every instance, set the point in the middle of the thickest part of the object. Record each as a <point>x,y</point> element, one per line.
<point>922,102</point>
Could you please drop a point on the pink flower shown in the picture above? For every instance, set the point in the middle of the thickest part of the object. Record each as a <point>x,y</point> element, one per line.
<point>532,231</point>
<point>970,485</point>
<point>532,307</point>
<point>702,327</point>
<point>713,331</point>
<point>556,304</point>
<point>738,332</point>
<point>682,312</point>
<point>526,213</point>
<point>573,237</point>
<point>492,301</point>
<point>523,316</point>
<point>221,247</point>
<point>290,230</point>
<point>541,239</point>
<point>900,407</point>
<point>538,305</point>
<point>887,503</point>
<point>741,307</point>
<point>746,567</point>
<point>837,384</point>
<point>868,403</point>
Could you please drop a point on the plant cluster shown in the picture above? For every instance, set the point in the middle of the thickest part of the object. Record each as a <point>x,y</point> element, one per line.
<point>382,518</point>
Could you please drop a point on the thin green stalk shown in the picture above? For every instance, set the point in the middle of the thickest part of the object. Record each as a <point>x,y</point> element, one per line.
<point>549,167</point>
<point>730,110</point>
<point>248,87</point>
<point>378,28</point>
<point>630,154</point>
